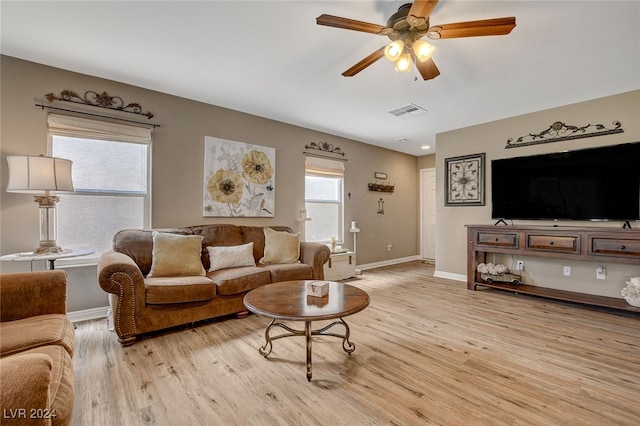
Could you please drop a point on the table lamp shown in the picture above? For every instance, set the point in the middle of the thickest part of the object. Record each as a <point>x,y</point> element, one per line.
<point>40,175</point>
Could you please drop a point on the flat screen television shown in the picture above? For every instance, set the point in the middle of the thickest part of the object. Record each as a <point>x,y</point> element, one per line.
<point>588,184</point>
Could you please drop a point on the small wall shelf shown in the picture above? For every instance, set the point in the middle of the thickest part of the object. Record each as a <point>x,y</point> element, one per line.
<point>377,187</point>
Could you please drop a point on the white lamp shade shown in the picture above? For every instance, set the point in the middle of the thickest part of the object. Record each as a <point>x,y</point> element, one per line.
<point>31,174</point>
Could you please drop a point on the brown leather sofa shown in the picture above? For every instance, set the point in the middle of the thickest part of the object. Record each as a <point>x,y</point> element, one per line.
<point>141,303</point>
<point>36,343</point>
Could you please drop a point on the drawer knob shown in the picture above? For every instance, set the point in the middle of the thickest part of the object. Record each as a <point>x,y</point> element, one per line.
<point>551,243</point>
<point>496,240</point>
<point>623,247</point>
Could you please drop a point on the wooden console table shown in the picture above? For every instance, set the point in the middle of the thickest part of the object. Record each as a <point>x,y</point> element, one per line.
<point>566,242</point>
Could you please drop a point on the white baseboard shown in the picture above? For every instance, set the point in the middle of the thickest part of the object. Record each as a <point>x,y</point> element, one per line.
<point>88,314</point>
<point>386,263</point>
<point>450,276</point>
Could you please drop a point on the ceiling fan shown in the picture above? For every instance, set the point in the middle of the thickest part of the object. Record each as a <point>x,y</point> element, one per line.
<point>406,28</point>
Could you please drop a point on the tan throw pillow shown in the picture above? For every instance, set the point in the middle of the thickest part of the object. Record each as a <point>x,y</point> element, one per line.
<point>280,247</point>
<point>176,255</point>
<point>231,256</point>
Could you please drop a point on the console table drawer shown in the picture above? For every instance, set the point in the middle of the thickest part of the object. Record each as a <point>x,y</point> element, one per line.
<point>494,239</point>
<point>616,247</point>
<point>567,244</point>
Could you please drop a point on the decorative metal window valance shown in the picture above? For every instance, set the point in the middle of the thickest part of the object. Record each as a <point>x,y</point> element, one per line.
<point>560,131</point>
<point>325,147</point>
<point>100,100</point>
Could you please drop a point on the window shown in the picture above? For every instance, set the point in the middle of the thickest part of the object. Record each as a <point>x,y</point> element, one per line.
<point>324,181</point>
<point>111,178</point>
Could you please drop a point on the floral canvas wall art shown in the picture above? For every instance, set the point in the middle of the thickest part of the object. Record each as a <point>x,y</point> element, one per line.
<point>239,179</point>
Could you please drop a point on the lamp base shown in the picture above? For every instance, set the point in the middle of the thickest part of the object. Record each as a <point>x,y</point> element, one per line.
<point>48,225</point>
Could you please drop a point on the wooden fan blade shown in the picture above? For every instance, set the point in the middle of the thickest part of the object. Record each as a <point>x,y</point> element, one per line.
<point>486,27</point>
<point>364,63</point>
<point>427,69</point>
<point>420,11</point>
<point>349,24</point>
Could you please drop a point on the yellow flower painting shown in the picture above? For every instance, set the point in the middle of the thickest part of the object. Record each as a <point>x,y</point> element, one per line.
<point>226,187</point>
<point>239,179</point>
<point>256,167</point>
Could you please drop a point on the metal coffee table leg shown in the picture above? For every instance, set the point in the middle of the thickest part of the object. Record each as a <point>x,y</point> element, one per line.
<point>307,333</point>
<point>347,346</point>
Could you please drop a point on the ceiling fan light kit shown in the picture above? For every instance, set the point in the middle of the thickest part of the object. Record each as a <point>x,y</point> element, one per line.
<point>393,50</point>
<point>405,29</point>
<point>398,52</point>
<point>422,49</point>
<point>403,64</point>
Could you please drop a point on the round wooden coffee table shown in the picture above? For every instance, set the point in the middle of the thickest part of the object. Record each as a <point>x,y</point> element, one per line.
<point>288,301</point>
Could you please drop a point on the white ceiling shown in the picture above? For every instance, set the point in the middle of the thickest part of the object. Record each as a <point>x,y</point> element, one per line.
<point>269,58</point>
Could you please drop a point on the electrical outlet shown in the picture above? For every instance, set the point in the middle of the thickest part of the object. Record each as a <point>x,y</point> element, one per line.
<point>520,265</point>
<point>566,271</point>
<point>601,273</point>
<point>389,247</point>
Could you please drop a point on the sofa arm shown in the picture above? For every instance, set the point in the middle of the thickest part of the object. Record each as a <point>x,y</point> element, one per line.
<point>118,274</point>
<point>25,389</point>
<point>114,268</point>
<point>316,255</point>
<point>28,294</point>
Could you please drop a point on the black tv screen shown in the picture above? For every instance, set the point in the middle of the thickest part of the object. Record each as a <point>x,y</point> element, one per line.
<point>589,184</point>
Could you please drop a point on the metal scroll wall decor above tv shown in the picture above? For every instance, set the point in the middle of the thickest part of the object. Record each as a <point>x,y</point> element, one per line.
<point>588,184</point>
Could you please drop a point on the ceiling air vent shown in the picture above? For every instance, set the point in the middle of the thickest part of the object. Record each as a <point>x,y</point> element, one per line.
<point>408,110</point>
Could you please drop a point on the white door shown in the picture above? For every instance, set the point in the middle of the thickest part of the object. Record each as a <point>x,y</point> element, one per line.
<point>428,213</point>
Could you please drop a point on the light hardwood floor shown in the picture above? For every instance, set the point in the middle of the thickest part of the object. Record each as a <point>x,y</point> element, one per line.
<point>428,351</point>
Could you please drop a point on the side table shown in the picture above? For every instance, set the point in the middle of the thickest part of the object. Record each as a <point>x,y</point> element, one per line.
<point>30,257</point>
<point>341,265</point>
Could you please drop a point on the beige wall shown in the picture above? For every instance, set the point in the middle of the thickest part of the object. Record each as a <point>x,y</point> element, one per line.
<point>177,170</point>
<point>427,161</point>
<point>491,139</point>
<point>178,147</point>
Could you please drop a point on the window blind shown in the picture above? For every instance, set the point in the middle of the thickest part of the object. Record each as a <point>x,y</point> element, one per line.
<point>324,166</point>
<point>66,125</point>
